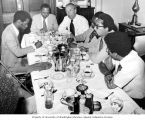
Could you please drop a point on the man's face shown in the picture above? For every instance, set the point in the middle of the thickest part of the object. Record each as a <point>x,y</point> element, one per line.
<point>70,11</point>
<point>45,12</point>
<point>115,56</point>
<point>24,25</point>
<point>100,28</point>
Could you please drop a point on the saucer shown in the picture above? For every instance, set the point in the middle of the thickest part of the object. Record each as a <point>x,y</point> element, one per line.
<point>57,76</point>
<point>88,77</point>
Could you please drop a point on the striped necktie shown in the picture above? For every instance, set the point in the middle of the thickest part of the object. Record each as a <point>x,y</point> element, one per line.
<point>72,28</point>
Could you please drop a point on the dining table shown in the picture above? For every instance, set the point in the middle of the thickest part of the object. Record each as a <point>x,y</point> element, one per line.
<point>62,81</point>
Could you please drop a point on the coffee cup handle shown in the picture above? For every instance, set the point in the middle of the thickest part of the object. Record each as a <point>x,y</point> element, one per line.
<point>63,101</point>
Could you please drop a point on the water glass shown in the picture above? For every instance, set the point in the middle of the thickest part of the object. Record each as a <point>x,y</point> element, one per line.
<point>49,99</point>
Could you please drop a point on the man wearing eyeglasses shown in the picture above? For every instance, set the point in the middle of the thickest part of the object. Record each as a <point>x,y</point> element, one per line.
<point>93,38</point>
<point>128,70</point>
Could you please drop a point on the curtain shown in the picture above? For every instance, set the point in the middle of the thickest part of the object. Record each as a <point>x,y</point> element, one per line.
<point>1,21</point>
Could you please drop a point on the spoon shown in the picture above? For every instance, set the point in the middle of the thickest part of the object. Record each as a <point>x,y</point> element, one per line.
<point>41,78</point>
<point>106,98</point>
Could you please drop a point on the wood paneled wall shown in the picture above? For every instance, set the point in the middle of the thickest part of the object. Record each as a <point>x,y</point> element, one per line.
<point>9,7</point>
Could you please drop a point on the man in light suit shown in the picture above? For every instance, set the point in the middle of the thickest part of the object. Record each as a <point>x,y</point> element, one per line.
<point>44,21</point>
<point>11,52</point>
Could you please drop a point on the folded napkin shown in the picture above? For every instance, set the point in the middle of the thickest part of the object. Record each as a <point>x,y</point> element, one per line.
<point>29,39</point>
<point>41,51</point>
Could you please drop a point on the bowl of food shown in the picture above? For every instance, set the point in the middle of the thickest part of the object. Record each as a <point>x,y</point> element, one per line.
<point>82,88</point>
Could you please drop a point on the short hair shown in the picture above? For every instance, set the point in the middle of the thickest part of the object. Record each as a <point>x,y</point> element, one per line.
<point>108,21</point>
<point>96,15</point>
<point>21,15</point>
<point>71,4</point>
<point>118,42</point>
<point>45,5</point>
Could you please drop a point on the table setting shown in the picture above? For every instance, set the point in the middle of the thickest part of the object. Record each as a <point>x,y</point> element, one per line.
<point>73,84</point>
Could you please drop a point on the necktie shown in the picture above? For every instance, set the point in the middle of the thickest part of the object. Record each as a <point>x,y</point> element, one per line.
<point>44,25</point>
<point>101,44</point>
<point>93,34</point>
<point>72,28</point>
<point>119,68</point>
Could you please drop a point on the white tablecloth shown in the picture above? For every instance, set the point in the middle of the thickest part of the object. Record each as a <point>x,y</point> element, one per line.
<point>96,86</point>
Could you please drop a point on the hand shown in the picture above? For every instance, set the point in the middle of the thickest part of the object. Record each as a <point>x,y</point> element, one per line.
<point>108,78</point>
<point>38,44</point>
<point>109,81</point>
<point>103,69</point>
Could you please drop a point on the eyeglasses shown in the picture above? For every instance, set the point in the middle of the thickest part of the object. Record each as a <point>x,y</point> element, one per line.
<point>98,26</point>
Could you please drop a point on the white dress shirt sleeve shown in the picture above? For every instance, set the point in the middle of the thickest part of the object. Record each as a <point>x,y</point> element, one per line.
<point>126,75</point>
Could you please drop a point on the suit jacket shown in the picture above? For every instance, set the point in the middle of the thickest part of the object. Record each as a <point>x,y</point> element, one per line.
<point>11,52</point>
<point>37,23</point>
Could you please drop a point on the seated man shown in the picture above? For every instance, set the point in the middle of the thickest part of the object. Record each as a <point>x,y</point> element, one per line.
<point>11,52</point>
<point>73,23</point>
<point>44,21</point>
<point>94,37</point>
<point>131,75</point>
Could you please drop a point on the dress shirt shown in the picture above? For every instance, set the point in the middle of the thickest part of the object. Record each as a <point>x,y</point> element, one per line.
<point>131,78</point>
<point>80,25</point>
<point>11,51</point>
<point>37,23</point>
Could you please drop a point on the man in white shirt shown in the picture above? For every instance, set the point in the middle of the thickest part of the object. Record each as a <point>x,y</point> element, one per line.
<point>129,73</point>
<point>44,21</point>
<point>80,23</point>
<point>130,68</point>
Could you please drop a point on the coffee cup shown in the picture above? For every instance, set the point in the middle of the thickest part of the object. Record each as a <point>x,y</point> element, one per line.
<point>87,73</point>
<point>68,98</point>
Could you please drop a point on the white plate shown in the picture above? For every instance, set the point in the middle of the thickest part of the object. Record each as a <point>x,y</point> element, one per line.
<point>58,76</point>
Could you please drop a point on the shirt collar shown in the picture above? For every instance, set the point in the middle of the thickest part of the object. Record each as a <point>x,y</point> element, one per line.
<point>43,18</point>
<point>15,29</point>
<point>128,57</point>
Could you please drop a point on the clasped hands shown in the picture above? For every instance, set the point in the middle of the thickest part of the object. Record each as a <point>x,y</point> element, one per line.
<point>108,75</point>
